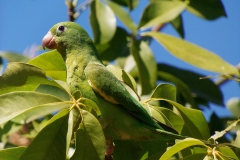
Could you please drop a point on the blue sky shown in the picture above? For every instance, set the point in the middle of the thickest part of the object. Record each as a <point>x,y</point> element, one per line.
<point>24,23</point>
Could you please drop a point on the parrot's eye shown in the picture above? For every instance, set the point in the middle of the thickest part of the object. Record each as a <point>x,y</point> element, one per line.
<point>61,28</point>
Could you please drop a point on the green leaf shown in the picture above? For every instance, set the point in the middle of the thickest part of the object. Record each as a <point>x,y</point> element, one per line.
<point>234,106</point>
<point>193,54</point>
<point>147,68</point>
<point>103,22</point>
<point>11,153</point>
<point>90,141</point>
<point>198,156</point>
<point>227,153</point>
<point>15,103</point>
<point>188,142</point>
<point>52,63</point>
<point>22,77</point>
<point>50,143</point>
<point>181,86</point>
<point>160,12</point>
<point>123,16</point>
<point>131,4</point>
<point>129,80</point>
<point>166,91</point>
<point>177,24</point>
<point>207,9</point>
<point>14,57</point>
<point>37,112</point>
<point>116,47</point>
<point>55,91</point>
<point>203,88</point>
<point>194,120</point>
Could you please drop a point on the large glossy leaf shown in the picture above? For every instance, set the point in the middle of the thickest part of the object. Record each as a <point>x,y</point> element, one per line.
<point>103,22</point>
<point>188,142</point>
<point>11,153</point>
<point>193,54</point>
<point>52,63</point>
<point>228,152</point>
<point>123,16</point>
<point>90,141</point>
<point>22,77</point>
<point>14,57</point>
<point>146,65</point>
<point>15,103</point>
<point>204,88</point>
<point>50,143</point>
<point>116,47</point>
<point>131,4</point>
<point>207,9</point>
<point>159,12</point>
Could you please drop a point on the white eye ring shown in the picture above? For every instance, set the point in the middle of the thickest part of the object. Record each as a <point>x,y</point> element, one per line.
<point>61,28</point>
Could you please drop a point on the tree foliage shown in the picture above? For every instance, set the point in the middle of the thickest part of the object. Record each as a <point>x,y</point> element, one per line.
<point>36,104</point>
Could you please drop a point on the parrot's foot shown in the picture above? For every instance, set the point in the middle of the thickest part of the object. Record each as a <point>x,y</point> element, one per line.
<point>109,147</point>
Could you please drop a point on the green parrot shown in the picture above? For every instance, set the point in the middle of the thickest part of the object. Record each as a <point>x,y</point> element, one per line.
<point>122,116</point>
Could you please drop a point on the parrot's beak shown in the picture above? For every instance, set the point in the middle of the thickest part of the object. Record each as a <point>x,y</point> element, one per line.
<point>48,41</point>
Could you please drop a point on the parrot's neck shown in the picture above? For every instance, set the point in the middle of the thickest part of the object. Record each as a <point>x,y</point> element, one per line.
<point>76,61</point>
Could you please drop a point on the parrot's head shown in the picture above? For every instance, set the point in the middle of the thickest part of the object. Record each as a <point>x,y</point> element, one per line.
<point>65,36</point>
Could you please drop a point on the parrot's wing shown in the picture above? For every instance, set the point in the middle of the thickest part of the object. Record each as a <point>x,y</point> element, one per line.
<point>111,89</point>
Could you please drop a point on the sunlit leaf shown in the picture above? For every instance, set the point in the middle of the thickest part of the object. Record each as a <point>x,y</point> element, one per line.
<point>193,54</point>
<point>11,153</point>
<point>15,103</point>
<point>188,142</point>
<point>159,12</point>
<point>129,80</point>
<point>14,57</point>
<point>147,68</point>
<point>103,22</point>
<point>234,106</point>
<point>123,16</point>
<point>207,9</point>
<point>90,141</point>
<point>52,63</point>
<point>50,143</point>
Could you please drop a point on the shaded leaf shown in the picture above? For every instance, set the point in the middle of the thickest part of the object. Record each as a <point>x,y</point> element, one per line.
<point>177,24</point>
<point>159,12</point>
<point>116,47</point>
<point>52,63</point>
<point>193,54</point>
<point>198,156</point>
<point>103,22</point>
<point>147,69</point>
<point>14,57</point>
<point>188,142</point>
<point>15,103</point>
<point>182,88</point>
<point>131,4</point>
<point>22,77</point>
<point>166,91</point>
<point>204,88</point>
<point>11,153</point>
<point>50,143</point>
<point>207,9</point>
<point>123,16</point>
<point>90,141</point>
